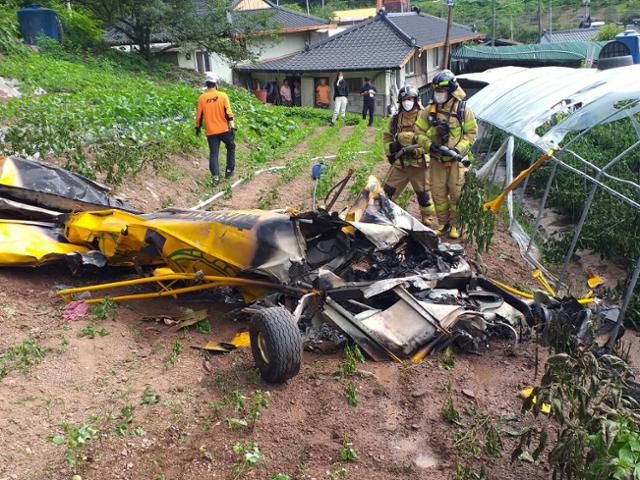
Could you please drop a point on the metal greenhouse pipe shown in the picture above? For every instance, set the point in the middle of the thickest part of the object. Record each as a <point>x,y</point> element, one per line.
<point>625,305</point>
<point>543,202</point>
<point>585,212</point>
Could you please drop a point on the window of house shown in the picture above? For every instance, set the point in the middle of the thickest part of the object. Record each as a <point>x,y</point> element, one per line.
<point>354,84</point>
<point>410,66</point>
<point>435,55</point>
<point>202,62</point>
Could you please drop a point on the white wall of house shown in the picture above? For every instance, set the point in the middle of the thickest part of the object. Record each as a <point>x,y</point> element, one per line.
<point>195,60</point>
<point>286,44</point>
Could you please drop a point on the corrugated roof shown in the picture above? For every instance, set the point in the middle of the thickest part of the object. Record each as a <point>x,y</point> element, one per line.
<point>547,52</point>
<point>375,44</point>
<point>575,35</point>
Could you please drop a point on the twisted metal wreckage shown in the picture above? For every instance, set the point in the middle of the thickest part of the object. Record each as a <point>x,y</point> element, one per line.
<point>371,272</point>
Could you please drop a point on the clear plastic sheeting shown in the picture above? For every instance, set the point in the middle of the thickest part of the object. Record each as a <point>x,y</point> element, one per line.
<point>558,99</point>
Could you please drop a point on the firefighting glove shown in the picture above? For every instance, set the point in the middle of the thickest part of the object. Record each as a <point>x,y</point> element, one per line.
<point>198,131</point>
<point>394,148</point>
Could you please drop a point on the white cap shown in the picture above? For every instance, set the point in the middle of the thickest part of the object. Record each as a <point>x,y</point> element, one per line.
<point>211,77</point>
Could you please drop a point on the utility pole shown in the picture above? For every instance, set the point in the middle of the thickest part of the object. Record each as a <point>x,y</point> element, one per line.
<point>511,25</point>
<point>450,4</point>
<point>587,13</point>
<point>307,7</point>
<point>550,16</point>
<point>493,24</point>
<point>539,20</point>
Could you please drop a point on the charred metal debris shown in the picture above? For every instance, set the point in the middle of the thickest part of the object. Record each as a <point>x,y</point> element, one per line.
<point>371,274</point>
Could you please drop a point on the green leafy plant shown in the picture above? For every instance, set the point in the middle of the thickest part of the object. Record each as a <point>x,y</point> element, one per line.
<point>347,452</point>
<point>22,356</point>
<point>280,476</point>
<point>482,435</point>
<point>149,396</point>
<point>104,310</point>
<point>126,418</point>
<point>74,438</point>
<point>450,413</point>
<point>352,396</point>
<point>463,472</point>
<point>251,411</point>
<point>90,331</point>
<point>353,355</point>
<point>478,223</point>
<point>447,361</point>
<point>250,457</point>
<point>171,359</point>
<point>337,472</point>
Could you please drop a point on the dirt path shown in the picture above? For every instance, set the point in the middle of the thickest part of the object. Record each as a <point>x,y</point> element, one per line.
<point>245,196</point>
<point>298,194</point>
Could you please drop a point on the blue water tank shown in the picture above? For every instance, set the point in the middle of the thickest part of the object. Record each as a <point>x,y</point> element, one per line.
<point>37,20</point>
<point>631,39</point>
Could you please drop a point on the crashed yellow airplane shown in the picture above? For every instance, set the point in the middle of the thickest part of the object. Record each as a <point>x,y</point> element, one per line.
<point>372,274</point>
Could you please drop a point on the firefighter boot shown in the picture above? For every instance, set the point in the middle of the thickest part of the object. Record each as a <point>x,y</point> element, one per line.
<point>454,233</point>
<point>442,229</point>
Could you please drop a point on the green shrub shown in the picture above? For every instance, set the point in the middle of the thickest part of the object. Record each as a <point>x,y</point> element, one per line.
<point>9,37</point>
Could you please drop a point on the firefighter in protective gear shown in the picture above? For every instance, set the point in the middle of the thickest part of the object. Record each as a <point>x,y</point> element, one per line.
<point>409,161</point>
<point>447,122</point>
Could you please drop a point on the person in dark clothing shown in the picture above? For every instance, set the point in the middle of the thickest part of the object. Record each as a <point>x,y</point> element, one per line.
<point>368,92</point>
<point>340,93</point>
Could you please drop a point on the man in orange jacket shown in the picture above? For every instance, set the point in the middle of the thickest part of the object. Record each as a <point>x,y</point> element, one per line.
<point>215,110</point>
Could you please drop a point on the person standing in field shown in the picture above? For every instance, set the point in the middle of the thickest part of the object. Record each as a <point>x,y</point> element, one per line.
<point>323,94</point>
<point>214,110</point>
<point>340,93</point>
<point>285,94</point>
<point>368,92</point>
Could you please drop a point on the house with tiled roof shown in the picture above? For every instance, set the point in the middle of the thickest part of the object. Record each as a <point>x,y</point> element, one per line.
<point>294,32</point>
<point>391,49</point>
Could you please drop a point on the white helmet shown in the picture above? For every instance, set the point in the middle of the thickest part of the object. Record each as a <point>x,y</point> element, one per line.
<point>211,77</point>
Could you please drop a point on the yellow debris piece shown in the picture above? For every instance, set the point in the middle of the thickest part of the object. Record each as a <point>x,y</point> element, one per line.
<point>526,393</point>
<point>594,279</point>
<point>27,243</point>
<point>495,204</point>
<point>538,275</point>
<point>214,346</point>
<point>241,340</point>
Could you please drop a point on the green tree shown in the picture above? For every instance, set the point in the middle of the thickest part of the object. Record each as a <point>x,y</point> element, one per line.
<point>209,24</point>
<point>608,32</point>
<point>214,27</point>
<point>143,22</point>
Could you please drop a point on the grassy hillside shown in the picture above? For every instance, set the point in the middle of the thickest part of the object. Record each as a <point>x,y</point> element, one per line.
<point>102,119</point>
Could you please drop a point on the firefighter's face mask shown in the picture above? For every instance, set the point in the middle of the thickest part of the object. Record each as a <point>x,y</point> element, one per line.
<point>441,96</point>
<point>408,104</point>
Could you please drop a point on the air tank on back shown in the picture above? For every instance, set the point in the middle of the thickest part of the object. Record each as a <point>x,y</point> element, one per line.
<point>37,20</point>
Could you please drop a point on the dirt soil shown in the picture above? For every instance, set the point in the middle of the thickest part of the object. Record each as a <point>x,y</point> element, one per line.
<point>187,432</point>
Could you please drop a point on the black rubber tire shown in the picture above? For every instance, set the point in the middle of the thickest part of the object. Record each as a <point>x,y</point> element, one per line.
<point>274,331</point>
